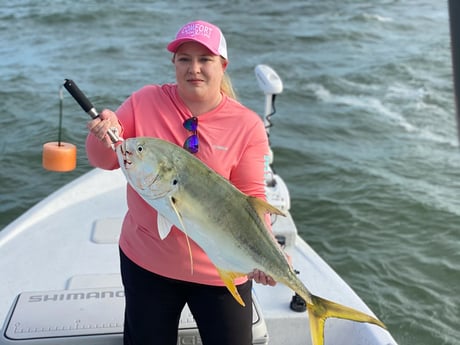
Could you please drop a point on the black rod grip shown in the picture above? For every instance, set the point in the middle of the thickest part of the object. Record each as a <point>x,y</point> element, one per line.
<point>87,106</point>
<point>80,98</point>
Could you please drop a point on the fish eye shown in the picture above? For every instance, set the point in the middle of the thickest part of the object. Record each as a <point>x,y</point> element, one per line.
<point>175,182</point>
<point>140,148</point>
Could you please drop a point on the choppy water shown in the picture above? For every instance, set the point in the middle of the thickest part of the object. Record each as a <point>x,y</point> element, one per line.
<point>364,134</point>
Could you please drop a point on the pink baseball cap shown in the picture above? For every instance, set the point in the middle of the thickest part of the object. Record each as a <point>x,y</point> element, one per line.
<point>202,32</point>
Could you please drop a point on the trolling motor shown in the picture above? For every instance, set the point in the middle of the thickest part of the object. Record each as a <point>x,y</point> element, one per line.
<point>271,85</point>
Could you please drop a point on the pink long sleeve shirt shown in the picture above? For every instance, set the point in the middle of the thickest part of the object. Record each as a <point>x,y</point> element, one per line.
<point>232,141</point>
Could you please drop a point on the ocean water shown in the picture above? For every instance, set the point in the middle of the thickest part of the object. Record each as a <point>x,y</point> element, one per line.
<point>364,134</point>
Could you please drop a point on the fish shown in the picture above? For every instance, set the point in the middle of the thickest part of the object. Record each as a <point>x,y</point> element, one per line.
<point>227,224</point>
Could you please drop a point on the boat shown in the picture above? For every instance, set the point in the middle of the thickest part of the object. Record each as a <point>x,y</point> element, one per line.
<point>60,268</point>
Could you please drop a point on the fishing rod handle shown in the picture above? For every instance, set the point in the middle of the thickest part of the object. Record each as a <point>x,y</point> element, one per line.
<point>87,106</point>
<point>80,97</point>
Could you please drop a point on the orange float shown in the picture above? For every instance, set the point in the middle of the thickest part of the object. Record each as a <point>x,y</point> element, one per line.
<point>59,156</point>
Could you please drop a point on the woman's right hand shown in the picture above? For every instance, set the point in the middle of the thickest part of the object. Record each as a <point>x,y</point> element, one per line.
<point>99,126</point>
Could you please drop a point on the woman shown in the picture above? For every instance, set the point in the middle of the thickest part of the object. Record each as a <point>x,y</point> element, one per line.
<point>230,139</point>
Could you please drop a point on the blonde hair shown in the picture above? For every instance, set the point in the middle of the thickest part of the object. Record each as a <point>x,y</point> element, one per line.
<point>226,86</point>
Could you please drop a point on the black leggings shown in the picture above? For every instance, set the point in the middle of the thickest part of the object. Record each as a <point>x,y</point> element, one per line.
<point>154,305</point>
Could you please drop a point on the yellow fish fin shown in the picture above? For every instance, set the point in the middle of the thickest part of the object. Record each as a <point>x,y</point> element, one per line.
<point>173,205</point>
<point>320,309</point>
<point>228,278</point>
<point>263,207</point>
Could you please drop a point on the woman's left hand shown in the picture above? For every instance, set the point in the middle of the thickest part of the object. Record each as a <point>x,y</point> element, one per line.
<point>261,278</point>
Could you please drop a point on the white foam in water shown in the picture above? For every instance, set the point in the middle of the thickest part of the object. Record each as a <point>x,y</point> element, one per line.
<point>361,101</point>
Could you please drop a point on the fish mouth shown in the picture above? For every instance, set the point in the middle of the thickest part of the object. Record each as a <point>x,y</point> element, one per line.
<point>126,162</point>
<point>124,154</point>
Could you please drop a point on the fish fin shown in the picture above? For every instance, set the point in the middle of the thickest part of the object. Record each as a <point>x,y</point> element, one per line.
<point>164,226</point>
<point>228,278</point>
<point>190,253</point>
<point>179,216</point>
<point>320,309</point>
<point>262,207</point>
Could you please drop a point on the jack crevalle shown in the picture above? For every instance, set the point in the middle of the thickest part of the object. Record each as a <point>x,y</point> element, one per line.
<point>191,196</point>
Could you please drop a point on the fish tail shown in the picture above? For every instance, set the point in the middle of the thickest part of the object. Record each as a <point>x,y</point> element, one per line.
<point>319,309</point>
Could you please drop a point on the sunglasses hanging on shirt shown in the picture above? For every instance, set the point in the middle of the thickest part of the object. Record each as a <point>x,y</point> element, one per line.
<point>191,143</point>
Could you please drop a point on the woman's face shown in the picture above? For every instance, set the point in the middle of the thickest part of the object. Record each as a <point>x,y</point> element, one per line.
<point>199,72</point>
